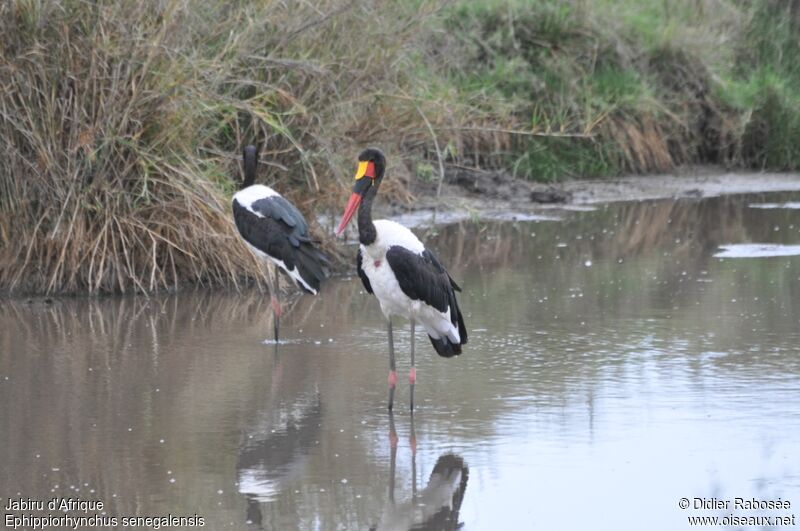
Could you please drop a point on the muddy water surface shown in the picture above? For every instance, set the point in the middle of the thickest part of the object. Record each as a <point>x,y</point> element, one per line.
<point>615,366</point>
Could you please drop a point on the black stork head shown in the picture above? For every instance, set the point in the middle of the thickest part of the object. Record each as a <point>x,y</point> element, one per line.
<point>371,165</point>
<point>250,157</point>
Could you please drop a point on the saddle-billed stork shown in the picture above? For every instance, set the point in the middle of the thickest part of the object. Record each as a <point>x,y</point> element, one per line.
<point>276,231</point>
<point>406,278</point>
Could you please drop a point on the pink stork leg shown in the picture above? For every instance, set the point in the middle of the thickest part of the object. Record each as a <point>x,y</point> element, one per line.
<point>274,281</point>
<point>412,373</point>
<point>412,442</point>
<point>276,303</point>
<point>392,368</point>
<point>392,456</point>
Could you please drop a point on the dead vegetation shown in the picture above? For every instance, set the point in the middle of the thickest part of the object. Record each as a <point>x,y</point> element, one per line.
<point>120,127</point>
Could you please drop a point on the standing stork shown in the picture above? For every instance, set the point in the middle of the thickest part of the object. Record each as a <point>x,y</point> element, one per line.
<point>407,278</point>
<point>276,231</point>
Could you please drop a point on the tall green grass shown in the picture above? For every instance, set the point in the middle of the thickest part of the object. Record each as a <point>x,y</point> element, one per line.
<point>642,86</point>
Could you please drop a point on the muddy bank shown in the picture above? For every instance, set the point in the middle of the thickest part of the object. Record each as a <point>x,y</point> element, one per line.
<point>497,195</point>
<point>704,184</point>
<point>477,192</point>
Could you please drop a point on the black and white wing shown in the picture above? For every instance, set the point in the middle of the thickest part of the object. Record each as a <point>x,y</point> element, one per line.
<point>421,277</point>
<point>276,228</point>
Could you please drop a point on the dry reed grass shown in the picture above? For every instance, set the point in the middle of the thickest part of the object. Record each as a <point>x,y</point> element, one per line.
<point>121,129</point>
<point>120,126</point>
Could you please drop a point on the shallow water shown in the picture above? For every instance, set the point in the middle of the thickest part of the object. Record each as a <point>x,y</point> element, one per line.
<point>614,367</point>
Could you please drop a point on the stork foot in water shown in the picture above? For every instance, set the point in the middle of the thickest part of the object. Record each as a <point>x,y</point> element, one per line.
<point>275,290</point>
<point>412,372</point>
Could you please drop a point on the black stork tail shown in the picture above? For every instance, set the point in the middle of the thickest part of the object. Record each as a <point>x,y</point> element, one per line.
<point>443,346</point>
<point>312,265</point>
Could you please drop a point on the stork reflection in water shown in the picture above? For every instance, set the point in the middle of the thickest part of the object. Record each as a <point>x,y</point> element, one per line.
<point>434,508</point>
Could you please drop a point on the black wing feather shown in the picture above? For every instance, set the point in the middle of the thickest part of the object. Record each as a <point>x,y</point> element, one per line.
<point>440,267</point>
<point>362,275</point>
<point>272,235</point>
<point>279,209</point>
<point>422,277</point>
